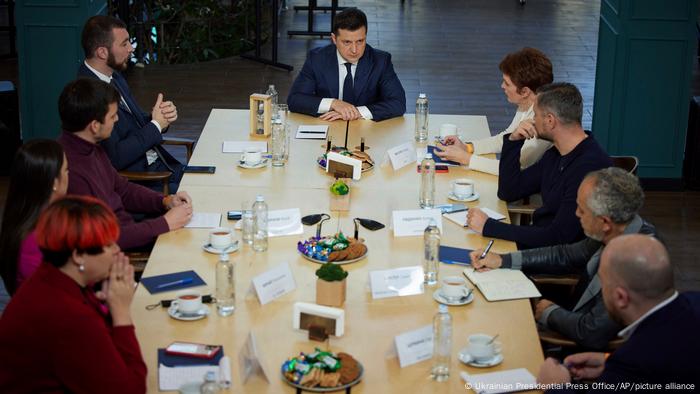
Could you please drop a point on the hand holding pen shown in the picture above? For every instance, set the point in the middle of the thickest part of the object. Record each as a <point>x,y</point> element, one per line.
<point>482,260</point>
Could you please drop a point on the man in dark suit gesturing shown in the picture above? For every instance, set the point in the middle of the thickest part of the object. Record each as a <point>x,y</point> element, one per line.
<point>135,144</point>
<point>660,353</point>
<point>348,80</point>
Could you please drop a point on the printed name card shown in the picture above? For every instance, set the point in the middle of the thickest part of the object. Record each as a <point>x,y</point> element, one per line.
<point>402,155</point>
<point>274,283</point>
<point>282,222</point>
<point>415,346</point>
<point>413,222</point>
<point>397,282</point>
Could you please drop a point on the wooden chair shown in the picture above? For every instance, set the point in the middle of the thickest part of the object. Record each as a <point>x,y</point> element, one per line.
<point>627,163</point>
<point>138,260</point>
<point>162,176</point>
<point>551,338</point>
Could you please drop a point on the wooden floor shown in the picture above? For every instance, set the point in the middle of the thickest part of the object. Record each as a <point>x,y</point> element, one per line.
<point>449,49</point>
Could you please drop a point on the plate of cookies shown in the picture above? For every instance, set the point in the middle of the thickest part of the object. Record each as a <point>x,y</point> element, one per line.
<point>336,249</point>
<point>367,162</point>
<point>322,371</point>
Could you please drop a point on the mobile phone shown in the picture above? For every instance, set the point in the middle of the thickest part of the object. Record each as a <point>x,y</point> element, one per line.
<point>189,349</point>
<point>200,169</point>
<point>234,215</point>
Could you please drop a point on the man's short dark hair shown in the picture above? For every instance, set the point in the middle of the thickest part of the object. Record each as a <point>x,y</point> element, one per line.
<point>351,19</point>
<point>97,32</point>
<point>85,100</point>
<point>562,99</point>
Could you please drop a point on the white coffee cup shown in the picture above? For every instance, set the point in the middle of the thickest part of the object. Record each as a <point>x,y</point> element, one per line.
<point>453,288</point>
<point>251,156</point>
<point>220,238</point>
<point>463,187</point>
<point>482,348</point>
<point>447,129</point>
<point>189,302</point>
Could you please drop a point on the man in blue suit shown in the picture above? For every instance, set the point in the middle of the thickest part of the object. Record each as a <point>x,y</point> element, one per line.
<point>135,144</point>
<point>662,326</point>
<point>348,80</point>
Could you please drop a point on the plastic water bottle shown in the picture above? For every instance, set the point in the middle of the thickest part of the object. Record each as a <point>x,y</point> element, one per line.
<point>260,224</point>
<point>274,98</point>
<point>210,386</point>
<point>225,286</point>
<point>427,182</point>
<point>442,344</point>
<point>431,241</point>
<point>422,118</point>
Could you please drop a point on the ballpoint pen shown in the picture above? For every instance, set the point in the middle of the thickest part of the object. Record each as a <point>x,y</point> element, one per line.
<point>488,247</point>
<point>175,283</point>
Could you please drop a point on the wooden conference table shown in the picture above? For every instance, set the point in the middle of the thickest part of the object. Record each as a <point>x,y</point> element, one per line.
<point>370,325</point>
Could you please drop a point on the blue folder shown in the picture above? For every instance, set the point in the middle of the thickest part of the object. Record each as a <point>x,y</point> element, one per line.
<point>450,255</point>
<point>152,283</point>
<point>170,360</point>
<point>438,160</point>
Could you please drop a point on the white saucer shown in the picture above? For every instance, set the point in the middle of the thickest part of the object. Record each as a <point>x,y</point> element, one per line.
<point>261,164</point>
<point>466,358</point>
<point>437,296</point>
<point>473,197</point>
<point>175,314</point>
<point>232,248</point>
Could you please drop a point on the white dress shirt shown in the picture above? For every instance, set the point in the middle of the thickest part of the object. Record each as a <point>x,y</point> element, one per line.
<point>325,104</point>
<point>151,155</point>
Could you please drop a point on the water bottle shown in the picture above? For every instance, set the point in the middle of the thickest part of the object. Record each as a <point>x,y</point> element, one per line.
<point>431,258</point>
<point>225,286</point>
<point>422,118</point>
<point>260,224</point>
<point>210,386</point>
<point>427,182</point>
<point>442,344</point>
<point>273,96</point>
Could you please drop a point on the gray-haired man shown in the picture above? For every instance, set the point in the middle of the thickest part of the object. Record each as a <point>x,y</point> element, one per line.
<point>607,204</point>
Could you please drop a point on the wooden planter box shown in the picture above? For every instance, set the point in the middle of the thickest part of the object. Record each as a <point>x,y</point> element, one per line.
<point>330,293</point>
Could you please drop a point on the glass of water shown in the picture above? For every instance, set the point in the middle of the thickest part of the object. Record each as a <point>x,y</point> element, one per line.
<point>280,144</point>
<point>247,222</point>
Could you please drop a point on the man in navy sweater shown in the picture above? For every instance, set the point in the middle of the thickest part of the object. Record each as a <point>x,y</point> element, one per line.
<point>557,175</point>
<point>662,345</point>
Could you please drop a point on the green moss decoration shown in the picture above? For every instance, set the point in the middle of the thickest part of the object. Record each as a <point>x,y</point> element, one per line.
<point>331,273</point>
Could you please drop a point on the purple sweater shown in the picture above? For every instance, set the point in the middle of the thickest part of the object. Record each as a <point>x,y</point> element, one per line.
<point>91,173</point>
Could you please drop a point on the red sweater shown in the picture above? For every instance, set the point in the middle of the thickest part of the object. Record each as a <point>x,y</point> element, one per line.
<point>92,174</point>
<point>54,339</point>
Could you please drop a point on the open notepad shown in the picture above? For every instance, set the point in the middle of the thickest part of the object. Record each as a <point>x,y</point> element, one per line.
<point>502,284</point>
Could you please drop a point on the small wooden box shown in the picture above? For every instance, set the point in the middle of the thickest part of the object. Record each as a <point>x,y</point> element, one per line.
<point>260,102</point>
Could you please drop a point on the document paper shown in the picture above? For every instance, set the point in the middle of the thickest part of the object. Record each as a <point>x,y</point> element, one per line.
<point>312,132</point>
<point>172,378</point>
<point>502,284</point>
<point>500,382</point>
<point>241,146</point>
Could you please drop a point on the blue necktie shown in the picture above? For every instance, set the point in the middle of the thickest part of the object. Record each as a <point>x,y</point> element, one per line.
<point>348,89</point>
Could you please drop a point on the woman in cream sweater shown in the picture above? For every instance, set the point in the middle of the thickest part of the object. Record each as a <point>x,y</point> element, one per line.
<point>524,72</point>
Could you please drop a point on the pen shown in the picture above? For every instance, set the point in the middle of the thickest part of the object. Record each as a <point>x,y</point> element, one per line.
<point>175,283</point>
<point>458,210</point>
<point>488,247</point>
<point>312,132</point>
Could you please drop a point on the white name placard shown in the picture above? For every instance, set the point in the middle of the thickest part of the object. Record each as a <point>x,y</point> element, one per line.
<point>398,282</point>
<point>413,222</point>
<point>274,283</point>
<point>402,155</point>
<point>282,222</point>
<point>414,346</point>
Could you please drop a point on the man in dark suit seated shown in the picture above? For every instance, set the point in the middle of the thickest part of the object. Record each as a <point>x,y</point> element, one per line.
<point>348,80</point>
<point>135,144</point>
<point>662,345</point>
<point>608,204</point>
<point>558,111</point>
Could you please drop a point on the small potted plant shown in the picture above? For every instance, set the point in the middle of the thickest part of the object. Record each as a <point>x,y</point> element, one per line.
<point>330,285</point>
<point>340,196</point>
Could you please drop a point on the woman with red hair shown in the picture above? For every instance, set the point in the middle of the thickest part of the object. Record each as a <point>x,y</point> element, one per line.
<point>56,334</point>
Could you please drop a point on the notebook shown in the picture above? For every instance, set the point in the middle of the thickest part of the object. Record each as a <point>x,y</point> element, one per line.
<point>438,160</point>
<point>175,371</point>
<point>450,255</point>
<point>173,281</point>
<point>502,284</point>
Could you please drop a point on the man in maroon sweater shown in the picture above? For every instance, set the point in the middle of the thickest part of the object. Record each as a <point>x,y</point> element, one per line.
<point>88,110</point>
